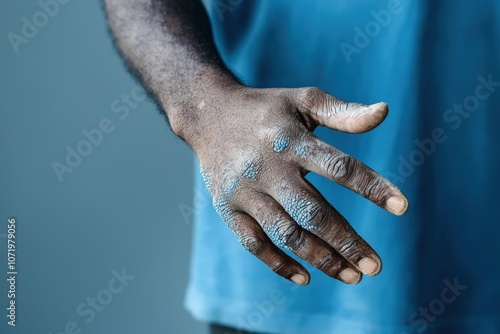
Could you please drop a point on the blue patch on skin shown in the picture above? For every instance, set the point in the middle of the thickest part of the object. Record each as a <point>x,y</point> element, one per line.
<point>241,239</point>
<point>206,179</point>
<point>281,143</point>
<point>221,206</point>
<point>251,170</point>
<point>300,211</point>
<point>301,150</point>
<point>273,234</point>
<point>231,187</point>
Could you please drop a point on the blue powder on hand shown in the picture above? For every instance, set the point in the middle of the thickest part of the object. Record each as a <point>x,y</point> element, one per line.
<point>231,187</point>
<point>300,211</point>
<point>251,170</point>
<point>241,239</point>
<point>221,206</point>
<point>273,234</point>
<point>281,143</point>
<point>206,179</point>
<point>301,150</point>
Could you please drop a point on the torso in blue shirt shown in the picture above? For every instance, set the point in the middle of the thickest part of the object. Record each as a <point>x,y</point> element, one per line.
<point>437,65</point>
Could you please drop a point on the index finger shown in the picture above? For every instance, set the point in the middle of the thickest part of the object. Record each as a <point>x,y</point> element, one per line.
<point>321,158</point>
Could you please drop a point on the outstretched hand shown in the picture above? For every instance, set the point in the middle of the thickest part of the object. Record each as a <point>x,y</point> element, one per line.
<point>256,145</point>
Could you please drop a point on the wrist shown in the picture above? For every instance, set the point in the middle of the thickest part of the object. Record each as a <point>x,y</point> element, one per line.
<point>192,103</point>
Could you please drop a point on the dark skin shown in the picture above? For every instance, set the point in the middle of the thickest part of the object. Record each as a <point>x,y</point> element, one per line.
<point>256,145</point>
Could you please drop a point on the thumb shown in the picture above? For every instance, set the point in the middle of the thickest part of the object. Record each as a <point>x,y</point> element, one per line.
<point>326,110</point>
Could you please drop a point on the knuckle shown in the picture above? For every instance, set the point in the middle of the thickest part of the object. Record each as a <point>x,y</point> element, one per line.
<point>229,186</point>
<point>374,189</point>
<point>285,234</point>
<point>305,211</point>
<point>281,140</point>
<point>329,263</point>
<point>318,101</point>
<point>349,248</point>
<point>340,167</point>
<point>292,235</point>
<point>252,168</point>
<point>254,244</point>
<point>319,216</point>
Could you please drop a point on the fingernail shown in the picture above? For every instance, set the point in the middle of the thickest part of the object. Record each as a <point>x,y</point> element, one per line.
<point>368,266</point>
<point>299,279</point>
<point>349,275</point>
<point>397,205</point>
<point>378,105</point>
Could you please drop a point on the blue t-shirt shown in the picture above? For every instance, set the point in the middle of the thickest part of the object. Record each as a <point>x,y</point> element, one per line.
<point>437,65</point>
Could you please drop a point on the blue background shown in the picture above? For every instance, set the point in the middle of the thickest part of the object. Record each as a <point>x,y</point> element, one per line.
<point>118,209</point>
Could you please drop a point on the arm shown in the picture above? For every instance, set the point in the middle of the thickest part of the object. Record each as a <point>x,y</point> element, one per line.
<point>256,145</point>
<point>169,45</point>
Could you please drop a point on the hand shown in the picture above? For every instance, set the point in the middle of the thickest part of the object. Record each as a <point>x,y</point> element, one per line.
<point>256,145</point>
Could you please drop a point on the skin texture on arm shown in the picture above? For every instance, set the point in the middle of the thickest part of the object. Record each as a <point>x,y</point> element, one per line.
<point>256,145</point>
<point>169,46</point>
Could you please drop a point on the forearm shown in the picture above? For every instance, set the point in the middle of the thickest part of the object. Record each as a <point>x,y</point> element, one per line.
<point>169,44</point>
